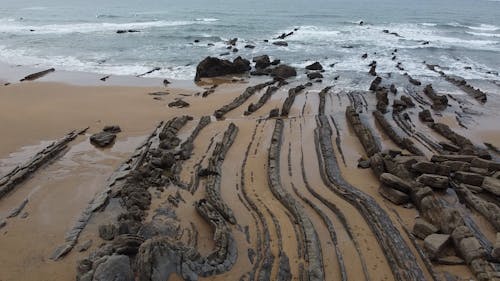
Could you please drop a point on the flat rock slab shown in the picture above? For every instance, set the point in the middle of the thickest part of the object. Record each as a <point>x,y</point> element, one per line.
<point>434,181</point>
<point>423,228</point>
<point>395,196</point>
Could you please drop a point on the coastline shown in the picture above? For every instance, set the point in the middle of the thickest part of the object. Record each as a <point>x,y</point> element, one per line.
<point>33,113</point>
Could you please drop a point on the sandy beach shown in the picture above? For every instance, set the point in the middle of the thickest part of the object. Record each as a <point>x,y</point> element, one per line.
<point>242,200</point>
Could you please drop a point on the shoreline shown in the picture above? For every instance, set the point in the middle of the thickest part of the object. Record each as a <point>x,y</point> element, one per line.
<point>234,150</point>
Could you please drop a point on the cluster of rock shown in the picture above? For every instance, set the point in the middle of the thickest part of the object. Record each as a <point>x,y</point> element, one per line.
<point>315,69</point>
<point>447,232</point>
<point>213,67</point>
<point>439,102</point>
<point>151,250</point>
<point>106,137</point>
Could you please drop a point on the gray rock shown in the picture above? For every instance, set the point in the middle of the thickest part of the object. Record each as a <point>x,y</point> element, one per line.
<point>395,182</point>
<point>315,66</point>
<point>107,231</point>
<point>395,196</point>
<point>426,167</point>
<point>468,178</point>
<point>280,43</point>
<point>423,228</point>
<point>471,249</point>
<point>84,246</point>
<point>284,71</point>
<point>434,181</point>
<point>495,253</point>
<point>115,268</point>
<point>102,139</point>
<point>457,165</point>
<point>487,164</point>
<point>434,244</point>
<point>491,185</point>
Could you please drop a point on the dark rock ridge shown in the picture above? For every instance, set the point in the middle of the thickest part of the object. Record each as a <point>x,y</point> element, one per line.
<point>213,67</point>
<point>37,75</point>
<point>439,102</point>
<point>239,100</point>
<point>287,104</point>
<point>21,172</point>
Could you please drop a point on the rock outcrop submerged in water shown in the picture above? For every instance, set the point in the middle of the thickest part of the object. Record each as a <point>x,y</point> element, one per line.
<point>213,67</point>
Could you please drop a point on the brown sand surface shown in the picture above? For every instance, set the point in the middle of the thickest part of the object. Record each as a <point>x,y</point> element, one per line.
<point>33,114</point>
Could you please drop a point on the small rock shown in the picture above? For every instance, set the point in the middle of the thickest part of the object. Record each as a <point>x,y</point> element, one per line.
<point>280,43</point>
<point>275,112</point>
<point>102,139</point>
<point>116,267</point>
<point>450,260</point>
<point>84,246</point>
<point>395,196</point>
<point>395,182</point>
<point>363,163</point>
<point>314,75</point>
<point>434,244</point>
<point>249,46</point>
<point>425,116</point>
<point>315,66</point>
<point>449,146</point>
<point>434,181</point>
<point>179,104</point>
<point>495,253</point>
<point>3,223</point>
<point>284,71</point>
<point>423,228</point>
<point>107,231</point>
<point>112,129</point>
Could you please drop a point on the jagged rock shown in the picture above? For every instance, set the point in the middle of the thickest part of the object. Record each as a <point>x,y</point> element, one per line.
<point>414,81</point>
<point>491,185</point>
<point>438,101</point>
<point>435,244</point>
<point>395,182</point>
<point>115,129</point>
<point>275,62</point>
<point>452,157</point>
<point>468,178</point>
<point>395,196</point>
<point>364,163</point>
<point>372,70</point>
<point>284,71</point>
<point>315,66</point>
<point>178,103</point>
<point>262,62</point>
<point>127,244</point>
<point>457,165</point>
<point>107,231</point>
<point>116,268</point>
<point>393,89</point>
<point>434,181</point>
<point>425,167</point>
<point>425,116</point>
<point>314,75</point>
<point>407,100</point>
<point>423,228</point>
<point>364,56</point>
<point>249,46</point>
<point>375,83</point>
<point>382,99</point>
<point>212,67</point>
<point>102,139</point>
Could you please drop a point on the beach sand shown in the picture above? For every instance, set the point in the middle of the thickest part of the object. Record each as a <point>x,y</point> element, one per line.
<point>32,114</point>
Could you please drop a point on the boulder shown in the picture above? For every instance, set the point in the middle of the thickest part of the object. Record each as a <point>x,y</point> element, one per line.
<point>395,182</point>
<point>395,196</point>
<point>434,181</point>
<point>375,83</point>
<point>213,67</point>
<point>423,228</point>
<point>426,167</point>
<point>102,139</point>
<point>284,71</point>
<point>314,75</point>
<point>491,185</point>
<point>468,178</point>
<point>262,62</point>
<point>116,268</point>
<point>471,249</point>
<point>315,66</point>
<point>434,244</point>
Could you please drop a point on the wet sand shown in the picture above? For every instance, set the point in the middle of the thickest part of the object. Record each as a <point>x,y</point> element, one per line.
<point>32,114</point>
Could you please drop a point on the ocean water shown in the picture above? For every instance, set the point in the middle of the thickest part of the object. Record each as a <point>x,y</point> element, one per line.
<point>81,34</point>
